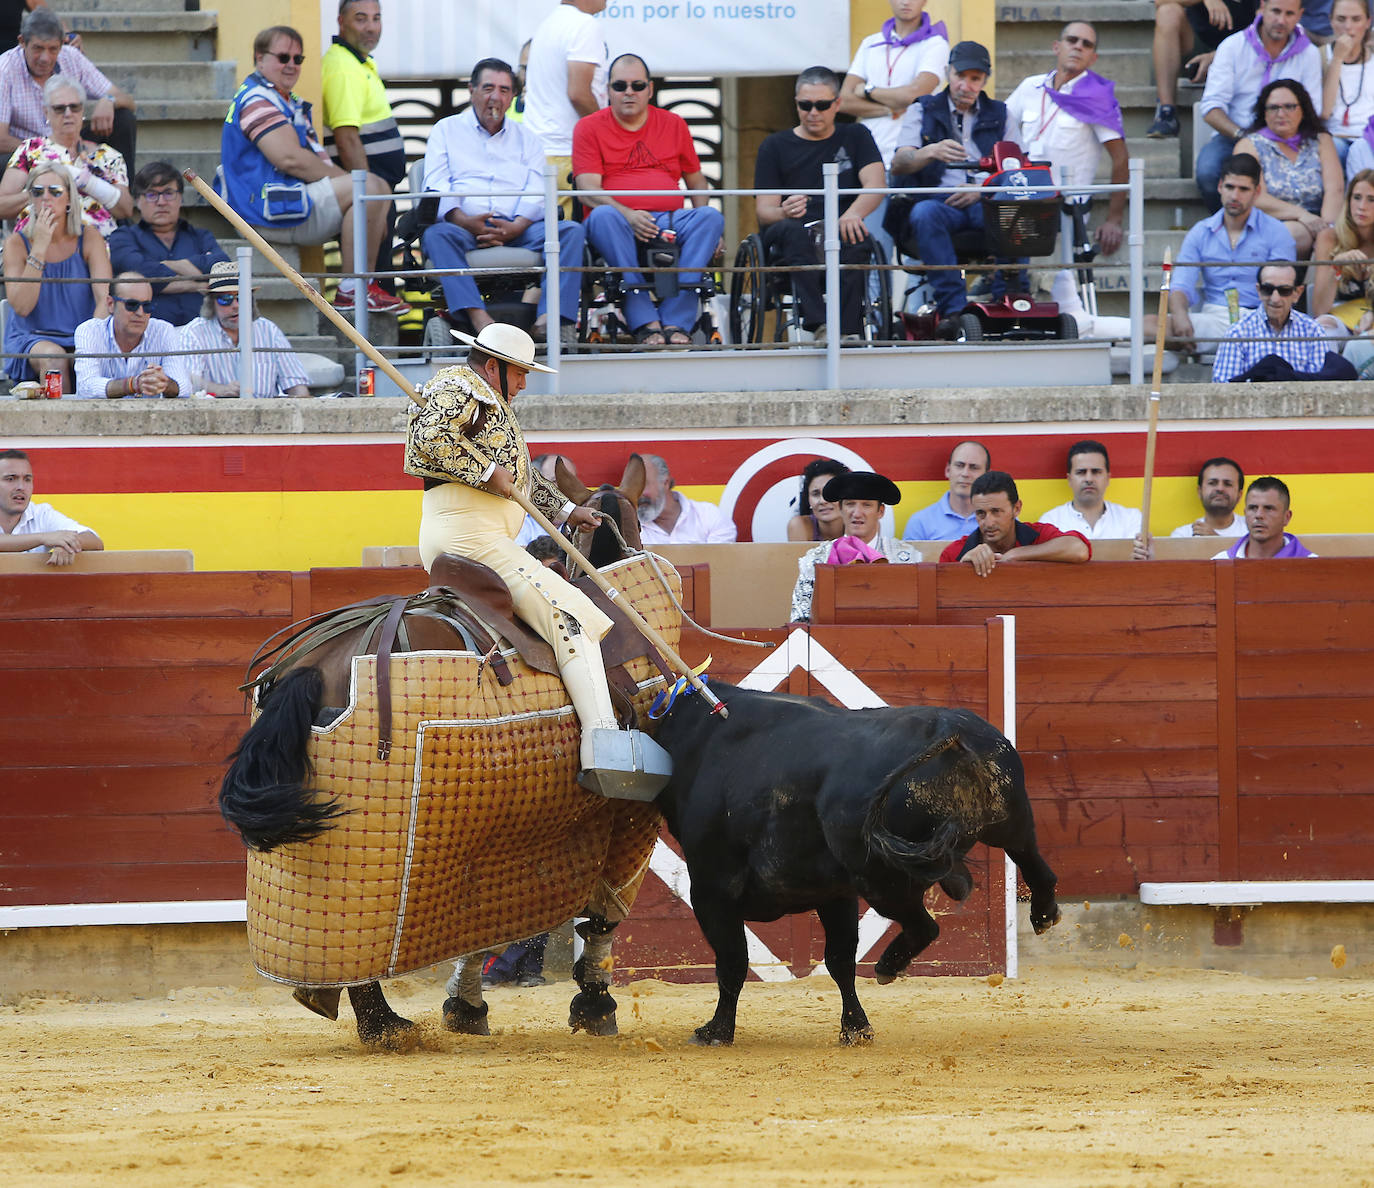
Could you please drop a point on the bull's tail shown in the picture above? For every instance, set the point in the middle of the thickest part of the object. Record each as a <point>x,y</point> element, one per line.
<point>264,794</point>
<point>928,861</point>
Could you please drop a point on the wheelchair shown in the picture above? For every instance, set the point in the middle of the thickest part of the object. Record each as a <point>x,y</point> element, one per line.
<point>604,290</point>
<point>754,294</point>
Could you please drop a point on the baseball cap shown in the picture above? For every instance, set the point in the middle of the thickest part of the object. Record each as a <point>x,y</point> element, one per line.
<point>969,55</point>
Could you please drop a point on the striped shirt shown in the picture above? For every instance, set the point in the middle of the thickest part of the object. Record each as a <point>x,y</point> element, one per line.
<point>22,107</point>
<point>1235,356</point>
<point>96,337</point>
<point>275,366</point>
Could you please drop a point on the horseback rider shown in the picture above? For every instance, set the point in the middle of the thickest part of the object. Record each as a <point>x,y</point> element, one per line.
<point>468,510</point>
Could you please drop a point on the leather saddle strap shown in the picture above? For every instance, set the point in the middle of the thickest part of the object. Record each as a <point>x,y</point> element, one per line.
<point>385,642</point>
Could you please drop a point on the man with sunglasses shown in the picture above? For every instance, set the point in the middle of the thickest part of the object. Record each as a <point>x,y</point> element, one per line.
<point>129,352</point>
<point>276,369</point>
<point>633,145</point>
<point>174,255</point>
<point>276,174</point>
<point>792,160</point>
<point>1068,116</point>
<point>1276,341</point>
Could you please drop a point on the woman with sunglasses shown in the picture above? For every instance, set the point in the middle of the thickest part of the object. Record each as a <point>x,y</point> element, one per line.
<point>276,370</point>
<point>817,519</point>
<point>102,177</point>
<point>56,247</point>
<point>1301,182</point>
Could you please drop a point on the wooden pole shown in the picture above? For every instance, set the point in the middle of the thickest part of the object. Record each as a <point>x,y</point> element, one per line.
<point>1153,428</point>
<point>350,332</point>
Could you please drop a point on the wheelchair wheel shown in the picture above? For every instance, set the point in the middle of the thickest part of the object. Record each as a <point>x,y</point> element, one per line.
<point>878,314</point>
<point>1068,327</point>
<point>970,327</point>
<point>748,293</point>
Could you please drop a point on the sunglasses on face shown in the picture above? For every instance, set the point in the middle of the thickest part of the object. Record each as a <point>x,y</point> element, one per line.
<point>53,191</point>
<point>67,108</point>
<point>135,306</point>
<point>1267,290</point>
<point>285,58</point>
<point>227,299</point>
<point>1074,39</point>
<point>636,86</point>
<point>1268,107</point>
<point>817,104</point>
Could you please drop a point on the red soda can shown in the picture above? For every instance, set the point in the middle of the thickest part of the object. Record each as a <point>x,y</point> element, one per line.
<point>668,235</point>
<point>52,384</point>
<point>367,381</point>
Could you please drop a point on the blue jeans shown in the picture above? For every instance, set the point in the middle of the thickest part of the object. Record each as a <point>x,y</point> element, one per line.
<point>1208,169</point>
<point>934,223</point>
<point>448,245</point>
<point>698,231</point>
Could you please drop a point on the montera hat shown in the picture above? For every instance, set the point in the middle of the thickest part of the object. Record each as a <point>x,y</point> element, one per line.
<point>508,343</point>
<point>224,277</point>
<point>861,484</point>
<point>969,55</point>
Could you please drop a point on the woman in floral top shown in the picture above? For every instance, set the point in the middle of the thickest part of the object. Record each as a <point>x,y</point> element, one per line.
<point>102,178</point>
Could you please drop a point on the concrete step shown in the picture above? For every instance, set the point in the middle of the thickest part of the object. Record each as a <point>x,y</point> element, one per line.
<point>146,79</point>
<point>1056,16</point>
<point>153,111</point>
<point>71,7</point>
<point>111,37</point>
<point>173,139</point>
<point>1125,67</point>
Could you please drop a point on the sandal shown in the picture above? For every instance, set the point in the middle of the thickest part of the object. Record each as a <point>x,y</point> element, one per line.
<point>646,336</point>
<point>676,336</point>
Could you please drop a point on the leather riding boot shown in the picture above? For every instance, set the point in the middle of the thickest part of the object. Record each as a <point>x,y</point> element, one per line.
<point>624,764</point>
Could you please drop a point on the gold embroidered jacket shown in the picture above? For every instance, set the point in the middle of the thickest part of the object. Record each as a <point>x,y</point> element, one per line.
<point>459,403</point>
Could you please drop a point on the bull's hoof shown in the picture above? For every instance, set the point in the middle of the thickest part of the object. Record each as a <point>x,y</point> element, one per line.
<point>593,1011</point>
<point>710,1036</point>
<point>883,978</point>
<point>856,1037</point>
<point>886,972</point>
<point>1042,922</point>
<point>384,1029</point>
<point>463,1019</point>
<point>323,1000</point>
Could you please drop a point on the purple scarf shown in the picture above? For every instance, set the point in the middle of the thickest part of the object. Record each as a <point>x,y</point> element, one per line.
<point>1369,132</point>
<point>1296,45</point>
<point>1292,547</point>
<point>920,33</point>
<point>1093,101</point>
<point>1293,142</point>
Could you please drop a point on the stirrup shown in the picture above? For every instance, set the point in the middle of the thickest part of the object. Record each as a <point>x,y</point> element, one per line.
<point>626,765</point>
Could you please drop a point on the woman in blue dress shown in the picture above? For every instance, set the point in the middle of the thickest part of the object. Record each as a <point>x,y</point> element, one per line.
<point>58,247</point>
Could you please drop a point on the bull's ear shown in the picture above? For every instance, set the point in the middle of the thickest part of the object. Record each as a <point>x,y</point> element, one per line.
<point>570,484</point>
<point>632,482</point>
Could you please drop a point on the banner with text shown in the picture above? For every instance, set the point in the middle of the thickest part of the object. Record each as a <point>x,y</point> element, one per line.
<point>425,39</point>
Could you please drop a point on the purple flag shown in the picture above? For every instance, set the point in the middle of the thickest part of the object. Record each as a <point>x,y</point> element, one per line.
<point>1297,43</point>
<point>920,33</point>
<point>1092,100</point>
<point>1292,547</point>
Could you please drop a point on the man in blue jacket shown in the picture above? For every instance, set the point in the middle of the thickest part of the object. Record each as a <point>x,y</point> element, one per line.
<point>957,124</point>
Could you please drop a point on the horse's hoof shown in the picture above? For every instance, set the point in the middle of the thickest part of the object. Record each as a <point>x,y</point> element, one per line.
<point>323,1000</point>
<point>705,1037</point>
<point>462,1019</point>
<point>386,1029</point>
<point>593,1011</point>
<point>856,1037</point>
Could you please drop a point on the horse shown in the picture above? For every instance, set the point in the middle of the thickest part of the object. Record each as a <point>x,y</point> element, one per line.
<point>266,794</point>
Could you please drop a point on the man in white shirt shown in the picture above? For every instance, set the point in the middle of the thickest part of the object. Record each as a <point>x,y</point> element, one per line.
<point>1068,116</point>
<point>564,81</point>
<point>479,152</point>
<point>129,352</point>
<point>665,517</point>
<point>1273,47</point>
<point>1088,512</point>
<point>1219,484</point>
<point>28,527</point>
<point>892,68</point>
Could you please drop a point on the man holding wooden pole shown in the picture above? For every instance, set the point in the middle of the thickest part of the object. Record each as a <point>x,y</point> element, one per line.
<point>469,511</point>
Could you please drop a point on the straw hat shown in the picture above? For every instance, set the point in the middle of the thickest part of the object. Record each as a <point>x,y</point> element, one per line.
<point>503,341</point>
<point>224,277</point>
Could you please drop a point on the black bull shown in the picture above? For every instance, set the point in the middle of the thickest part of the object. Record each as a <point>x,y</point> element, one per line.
<point>792,804</point>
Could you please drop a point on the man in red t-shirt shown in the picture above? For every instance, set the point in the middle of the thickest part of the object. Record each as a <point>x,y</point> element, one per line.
<point>1001,537</point>
<point>632,145</point>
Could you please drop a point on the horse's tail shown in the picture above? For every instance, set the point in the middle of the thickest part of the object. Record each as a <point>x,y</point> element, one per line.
<point>264,794</point>
<point>932,859</point>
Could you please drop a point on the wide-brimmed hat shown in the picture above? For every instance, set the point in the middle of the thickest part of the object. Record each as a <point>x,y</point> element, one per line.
<point>503,341</point>
<point>862,484</point>
<point>224,277</point>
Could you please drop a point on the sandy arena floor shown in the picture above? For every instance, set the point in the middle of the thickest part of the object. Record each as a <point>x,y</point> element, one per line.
<point>1177,1079</point>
